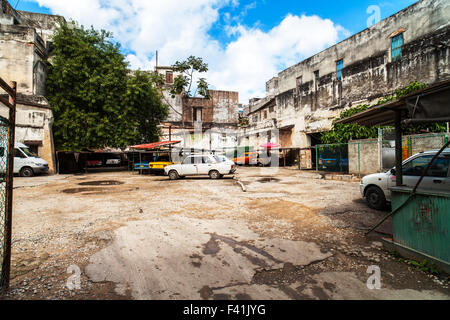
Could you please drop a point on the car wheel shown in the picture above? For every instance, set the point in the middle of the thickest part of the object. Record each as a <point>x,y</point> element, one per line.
<point>26,172</point>
<point>375,198</point>
<point>173,175</point>
<point>214,175</point>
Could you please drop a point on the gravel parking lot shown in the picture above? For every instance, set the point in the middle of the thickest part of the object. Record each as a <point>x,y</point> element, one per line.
<point>290,236</point>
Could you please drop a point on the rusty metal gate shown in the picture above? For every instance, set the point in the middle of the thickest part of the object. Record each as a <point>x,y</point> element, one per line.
<point>7,136</point>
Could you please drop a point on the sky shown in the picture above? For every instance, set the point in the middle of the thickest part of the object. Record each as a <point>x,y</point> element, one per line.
<point>244,42</point>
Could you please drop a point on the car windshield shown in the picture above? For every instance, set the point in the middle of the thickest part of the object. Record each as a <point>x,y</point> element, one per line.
<point>29,153</point>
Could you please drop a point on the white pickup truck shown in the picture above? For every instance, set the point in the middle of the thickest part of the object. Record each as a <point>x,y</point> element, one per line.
<point>200,165</point>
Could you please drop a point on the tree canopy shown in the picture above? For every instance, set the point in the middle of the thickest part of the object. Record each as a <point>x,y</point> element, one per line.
<point>97,102</point>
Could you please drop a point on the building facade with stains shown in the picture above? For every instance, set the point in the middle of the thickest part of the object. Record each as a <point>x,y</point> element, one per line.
<point>199,123</point>
<point>24,51</point>
<point>305,99</point>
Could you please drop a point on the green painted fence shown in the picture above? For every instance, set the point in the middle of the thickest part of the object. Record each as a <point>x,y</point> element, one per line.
<point>423,223</point>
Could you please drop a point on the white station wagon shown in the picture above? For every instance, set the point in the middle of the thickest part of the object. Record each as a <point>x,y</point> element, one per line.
<point>200,165</point>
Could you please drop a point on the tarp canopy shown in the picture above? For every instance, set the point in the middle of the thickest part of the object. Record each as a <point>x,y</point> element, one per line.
<point>429,105</point>
<point>154,145</point>
<point>270,146</point>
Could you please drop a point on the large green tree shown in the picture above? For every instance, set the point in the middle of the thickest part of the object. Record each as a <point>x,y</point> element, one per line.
<point>97,101</point>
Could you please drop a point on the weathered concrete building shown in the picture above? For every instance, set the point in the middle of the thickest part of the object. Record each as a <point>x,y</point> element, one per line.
<point>205,124</point>
<point>24,51</point>
<point>412,45</point>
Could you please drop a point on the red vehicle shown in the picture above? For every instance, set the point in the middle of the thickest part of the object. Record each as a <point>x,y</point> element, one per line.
<point>94,163</point>
<point>249,158</point>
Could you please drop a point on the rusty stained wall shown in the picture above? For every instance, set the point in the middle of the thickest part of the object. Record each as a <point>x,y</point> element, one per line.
<point>44,24</point>
<point>369,72</point>
<point>34,119</point>
<point>23,53</point>
<point>318,103</point>
<point>221,108</point>
<point>22,56</point>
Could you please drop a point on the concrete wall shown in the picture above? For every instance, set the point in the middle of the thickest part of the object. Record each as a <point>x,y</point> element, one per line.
<point>23,56</point>
<point>216,131</point>
<point>425,142</point>
<point>34,119</point>
<point>418,20</point>
<point>44,24</point>
<point>221,108</point>
<point>368,161</point>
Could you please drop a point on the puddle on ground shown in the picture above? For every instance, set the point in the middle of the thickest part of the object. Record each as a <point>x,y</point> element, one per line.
<point>80,190</point>
<point>97,191</point>
<point>268,179</point>
<point>102,183</point>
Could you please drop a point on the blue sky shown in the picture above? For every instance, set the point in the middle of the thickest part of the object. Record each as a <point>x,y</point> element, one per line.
<point>245,42</point>
<point>267,13</point>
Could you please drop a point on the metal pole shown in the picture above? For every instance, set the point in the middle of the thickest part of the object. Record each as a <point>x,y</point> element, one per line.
<point>6,265</point>
<point>317,158</point>
<point>398,149</point>
<point>380,146</point>
<point>359,160</point>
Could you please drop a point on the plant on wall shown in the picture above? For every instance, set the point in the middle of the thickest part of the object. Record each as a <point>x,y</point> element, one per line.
<point>342,133</point>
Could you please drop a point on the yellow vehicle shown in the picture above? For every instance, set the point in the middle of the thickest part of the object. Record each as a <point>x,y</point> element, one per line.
<point>152,165</point>
<point>151,158</point>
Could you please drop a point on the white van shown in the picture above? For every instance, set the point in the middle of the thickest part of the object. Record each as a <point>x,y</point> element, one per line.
<point>26,163</point>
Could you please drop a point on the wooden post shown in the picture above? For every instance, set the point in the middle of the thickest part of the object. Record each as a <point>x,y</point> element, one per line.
<point>6,265</point>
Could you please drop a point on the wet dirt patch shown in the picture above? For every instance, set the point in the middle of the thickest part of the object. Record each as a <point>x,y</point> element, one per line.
<point>102,183</point>
<point>304,219</point>
<point>96,191</point>
<point>268,180</point>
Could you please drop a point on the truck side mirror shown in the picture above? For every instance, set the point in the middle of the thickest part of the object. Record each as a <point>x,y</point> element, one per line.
<point>393,172</point>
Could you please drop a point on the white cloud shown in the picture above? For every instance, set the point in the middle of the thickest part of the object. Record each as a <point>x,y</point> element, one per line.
<point>179,28</point>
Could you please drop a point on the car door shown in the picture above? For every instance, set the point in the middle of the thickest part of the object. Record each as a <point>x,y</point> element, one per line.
<point>20,160</point>
<point>437,176</point>
<point>205,166</point>
<point>189,167</point>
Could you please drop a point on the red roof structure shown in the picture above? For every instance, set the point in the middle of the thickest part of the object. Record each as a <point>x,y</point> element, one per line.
<point>270,146</point>
<point>154,145</point>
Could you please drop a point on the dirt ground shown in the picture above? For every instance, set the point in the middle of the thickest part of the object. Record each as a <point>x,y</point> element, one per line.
<point>290,236</point>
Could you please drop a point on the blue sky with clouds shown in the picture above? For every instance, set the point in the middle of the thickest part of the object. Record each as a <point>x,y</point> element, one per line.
<point>245,42</point>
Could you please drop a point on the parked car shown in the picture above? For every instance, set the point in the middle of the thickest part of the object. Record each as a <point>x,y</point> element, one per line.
<point>226,160</point>
<point>376,187</point>
<point>26,163</point>
<point>248,158</point>
<point>200,165</point>
<point>152,167</point>
<point>114,161</point>
<point>94,163</point>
